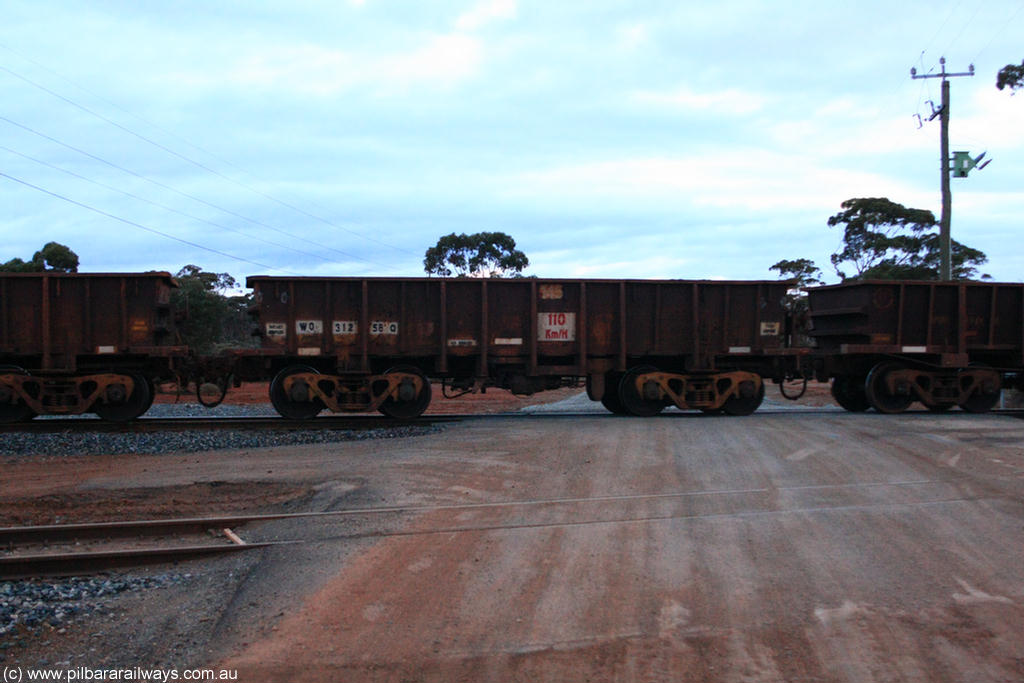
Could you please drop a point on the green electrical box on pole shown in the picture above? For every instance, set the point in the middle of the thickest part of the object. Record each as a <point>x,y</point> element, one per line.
<point>963,163</point>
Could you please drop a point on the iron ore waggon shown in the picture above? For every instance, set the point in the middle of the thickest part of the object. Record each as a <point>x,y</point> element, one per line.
<point>354,344</point>
<point>73,343</point>
<point>886,344</point>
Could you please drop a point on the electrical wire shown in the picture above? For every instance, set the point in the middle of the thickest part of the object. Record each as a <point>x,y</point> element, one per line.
<point>159,205</point>
<point>192,161</point>
<point>139,225</point>
<point>185,194</point>
<point>965,27</point>
<point>1002,27</point>
<point>948,17</point>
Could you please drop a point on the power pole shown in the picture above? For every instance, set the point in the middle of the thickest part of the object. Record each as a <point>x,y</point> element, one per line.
<point>945,267</point>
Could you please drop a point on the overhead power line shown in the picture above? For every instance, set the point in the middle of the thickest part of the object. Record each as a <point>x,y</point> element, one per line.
<point>161,206</point>
<point>964,27</point>
<point>943,26</point>
<point>1002,27</point>
<point>185,194</point>
<point>198,164</point>
<point>139,225</point>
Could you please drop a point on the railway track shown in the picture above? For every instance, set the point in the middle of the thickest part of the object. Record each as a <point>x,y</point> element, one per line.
<point>42,550</point>
<point>180,424</point>
<point>368,422</point>
<point>329,422</point>
<point>76,549</point>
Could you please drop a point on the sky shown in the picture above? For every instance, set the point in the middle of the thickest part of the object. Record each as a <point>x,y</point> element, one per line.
<point>657,139</point>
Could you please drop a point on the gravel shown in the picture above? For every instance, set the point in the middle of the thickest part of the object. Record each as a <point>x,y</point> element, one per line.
<point>28,606</point>
<point>103,443</point>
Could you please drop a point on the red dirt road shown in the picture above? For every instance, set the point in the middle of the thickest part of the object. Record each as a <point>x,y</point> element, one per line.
<point>788,547</point>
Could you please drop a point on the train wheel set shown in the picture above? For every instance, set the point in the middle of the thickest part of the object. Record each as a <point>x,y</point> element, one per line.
<point>891,387</point>
<point>99,343</point>
<point>301,392</point>
<point>644,391</point>
<point>111,396</point>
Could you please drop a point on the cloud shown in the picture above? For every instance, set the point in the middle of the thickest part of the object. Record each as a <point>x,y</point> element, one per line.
<point>839,132</point>
<point>747,179</point>
<point>719,102</point>
<point>485,13</point>
<point>634,35</point>
<point>989,118</point>
<point>439,60</point>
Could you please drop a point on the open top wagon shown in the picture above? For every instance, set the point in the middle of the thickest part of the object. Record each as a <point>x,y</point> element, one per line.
<point>351,344</point>
<point>886,344</point>
<point>74,343</point>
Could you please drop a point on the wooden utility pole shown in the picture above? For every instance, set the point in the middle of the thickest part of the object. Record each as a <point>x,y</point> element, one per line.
<point>945,267</point>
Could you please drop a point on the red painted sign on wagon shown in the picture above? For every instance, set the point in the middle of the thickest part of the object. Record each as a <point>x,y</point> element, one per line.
<point>558,327</point>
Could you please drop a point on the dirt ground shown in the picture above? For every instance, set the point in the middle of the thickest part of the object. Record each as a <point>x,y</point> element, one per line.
<point>41,490</point>
<point>794,545</point>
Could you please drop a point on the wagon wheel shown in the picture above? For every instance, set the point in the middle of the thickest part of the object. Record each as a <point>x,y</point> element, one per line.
<point>152,394</point>
<point>610,400</point>
<point>409,405</point>
<point>981,401</point>
<point>878,394</point>
<point>18,411</point>
<point>744,405</point>
<point>634,403</point>
<point>293,407</point>
<point>848,391</point>
<point>120,406</point>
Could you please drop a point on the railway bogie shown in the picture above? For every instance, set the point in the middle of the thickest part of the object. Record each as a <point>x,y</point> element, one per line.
<point>302,392</point>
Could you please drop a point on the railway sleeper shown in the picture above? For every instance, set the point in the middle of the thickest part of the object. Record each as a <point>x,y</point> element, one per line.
<point>735,393</point>
<point>112,396</point>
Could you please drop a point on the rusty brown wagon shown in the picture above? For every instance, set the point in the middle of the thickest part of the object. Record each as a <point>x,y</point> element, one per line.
<point>886,344</point>
<point>73,343</point>
<point>356,344</point>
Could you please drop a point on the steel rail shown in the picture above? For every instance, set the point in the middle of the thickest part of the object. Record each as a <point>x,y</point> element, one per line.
<point>177,424</point>
<point>368,422</point>
<point>14,567</point>
<point>76,563</point>
<point>64,564</point>
<point>53,533</point>
<point>33,563</point>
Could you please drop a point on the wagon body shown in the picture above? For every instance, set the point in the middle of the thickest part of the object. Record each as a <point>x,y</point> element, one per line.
<point>886,344</point>
<point>945,323</point>
<point>66,322</point>
<point>524,335</point>
<point>77,342</point>
<point>547,327</point>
